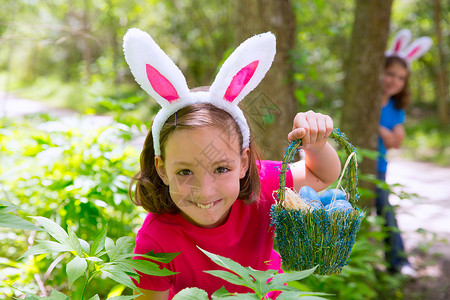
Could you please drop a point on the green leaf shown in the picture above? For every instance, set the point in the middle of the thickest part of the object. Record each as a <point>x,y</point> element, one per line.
<point>191,294</point>
<point>95,297</point>
<point>117,267</point>
<point>76,245</point>
<point>120,277</point>
<point>123,297</point>
<point>54,230</point>
<point>233,266</point>
<point>101,253</point>
<point>228,276</point>
<point>248,296</point>
<point>146,267</point>
<point>12,221</point>
<point>85,245</point>
<point>75,268</point>
<point>6,207</point>
<point>29,296</point>
<point>99,243</point>
<point>280,279</point>
<point>123,245</point>
<point>292,292</point>
<point>295,295</point>
<point>94,258</point>
<point>56,295</point>
<point>261,278</point>
<point>46,247</point>
<point>220,293</point>
<point>161,257</point>
<point>109,246</point>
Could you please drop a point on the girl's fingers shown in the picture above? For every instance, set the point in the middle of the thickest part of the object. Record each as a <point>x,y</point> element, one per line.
<point>322,129</point>
<point>329,125</point>
<point>302,122</point>
<point>296,134</point>
<point>311,127</point>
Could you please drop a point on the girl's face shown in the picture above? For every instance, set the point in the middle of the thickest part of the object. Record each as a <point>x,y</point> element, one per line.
<point>394,79</point>
<point>202,168</point>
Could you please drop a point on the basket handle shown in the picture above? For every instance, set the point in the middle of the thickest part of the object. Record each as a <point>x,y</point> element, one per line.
<point>350,179</point>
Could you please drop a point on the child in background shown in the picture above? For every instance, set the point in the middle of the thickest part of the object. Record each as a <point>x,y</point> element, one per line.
<point>201,180</point>
<point>395,98</point>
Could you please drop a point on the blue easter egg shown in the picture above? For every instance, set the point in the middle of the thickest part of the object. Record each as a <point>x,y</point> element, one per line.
<point>309,193</point>
<point>316,204</point>
<point>331,194</point>
<point>310,196</point>
<point>339,205</point>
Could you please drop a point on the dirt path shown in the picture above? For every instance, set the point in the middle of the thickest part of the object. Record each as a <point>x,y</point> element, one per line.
<point>425,223</point>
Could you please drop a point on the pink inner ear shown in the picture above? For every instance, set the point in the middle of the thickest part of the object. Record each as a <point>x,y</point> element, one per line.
<point>161,85</point>
<point>240,80</point>
<point>397,46</point>
<point>413,51</point>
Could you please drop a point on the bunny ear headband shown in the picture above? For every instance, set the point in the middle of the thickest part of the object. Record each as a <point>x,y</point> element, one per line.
<point>412,52</point>
<point>158,75</point>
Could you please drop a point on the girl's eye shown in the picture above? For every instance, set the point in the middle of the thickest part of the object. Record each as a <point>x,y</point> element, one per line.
<point>221,170</point>
<point>184,172</point>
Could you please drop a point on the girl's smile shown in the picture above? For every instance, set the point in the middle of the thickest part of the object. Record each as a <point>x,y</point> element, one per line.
<point>206,206</point>
<point>394,79</point>
<point>204,174</point>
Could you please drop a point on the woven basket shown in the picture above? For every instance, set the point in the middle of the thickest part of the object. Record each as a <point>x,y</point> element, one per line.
<point>307,238</point>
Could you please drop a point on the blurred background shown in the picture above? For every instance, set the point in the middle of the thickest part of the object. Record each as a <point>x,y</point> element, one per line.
<point>73,118</point>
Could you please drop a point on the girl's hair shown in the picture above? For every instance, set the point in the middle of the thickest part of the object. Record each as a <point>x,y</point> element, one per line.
<point>403,98</point>
<point>152,194</point>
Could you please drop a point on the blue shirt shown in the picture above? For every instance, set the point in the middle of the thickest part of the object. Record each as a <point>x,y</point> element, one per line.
<point>390,117</point>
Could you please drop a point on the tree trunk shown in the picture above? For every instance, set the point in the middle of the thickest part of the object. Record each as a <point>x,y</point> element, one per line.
<point>362,85</point>
<point>441,74</point>
<point>272,106</point>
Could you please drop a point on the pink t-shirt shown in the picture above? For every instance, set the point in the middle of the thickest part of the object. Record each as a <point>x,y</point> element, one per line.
<point>246,237</point>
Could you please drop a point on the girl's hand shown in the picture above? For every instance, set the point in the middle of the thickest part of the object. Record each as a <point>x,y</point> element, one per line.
<point>313,128</point>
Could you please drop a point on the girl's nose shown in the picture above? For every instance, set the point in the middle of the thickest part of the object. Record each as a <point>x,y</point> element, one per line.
<point>207,187</point>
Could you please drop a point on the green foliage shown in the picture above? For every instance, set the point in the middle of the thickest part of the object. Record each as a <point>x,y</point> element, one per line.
<point>71,55</point>
<point>9,220</point>
<point>102,257</point>
<point>428,141</point>
<point>68,171</point>
<point>258,281</point>
<point>77,174</point>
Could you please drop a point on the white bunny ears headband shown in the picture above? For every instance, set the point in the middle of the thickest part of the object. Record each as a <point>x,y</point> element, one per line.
<point>158,75</point>
<point>410,52</point>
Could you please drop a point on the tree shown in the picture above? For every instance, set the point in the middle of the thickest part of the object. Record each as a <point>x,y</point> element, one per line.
<point>362,86</point>
<point>272,106</point>
<point>441,76</point>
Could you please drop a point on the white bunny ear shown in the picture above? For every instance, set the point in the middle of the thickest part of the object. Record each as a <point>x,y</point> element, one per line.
<point>155,72</point>
<point>244,69</point>
<point>417,48</point>
<point>401,40</point>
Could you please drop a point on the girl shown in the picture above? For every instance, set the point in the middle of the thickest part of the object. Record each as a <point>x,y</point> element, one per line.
<point>200,176</point>
<point>395,98</point>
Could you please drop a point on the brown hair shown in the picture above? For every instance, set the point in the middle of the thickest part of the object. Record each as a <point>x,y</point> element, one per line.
<point>403,98</point>
<point>152,194</point>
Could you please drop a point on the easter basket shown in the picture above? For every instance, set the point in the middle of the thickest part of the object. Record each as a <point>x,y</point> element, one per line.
<point>309,234</point>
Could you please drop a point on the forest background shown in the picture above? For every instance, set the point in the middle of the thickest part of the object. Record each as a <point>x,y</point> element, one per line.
<point>69,55</point>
